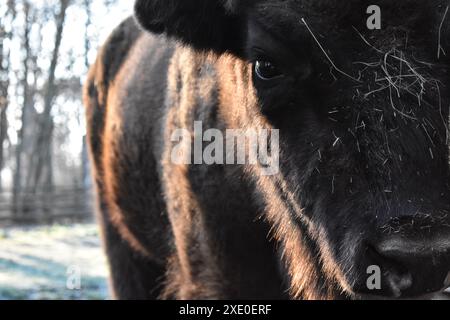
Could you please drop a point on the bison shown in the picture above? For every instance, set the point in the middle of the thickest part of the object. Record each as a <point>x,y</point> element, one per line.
<point>363,118</point>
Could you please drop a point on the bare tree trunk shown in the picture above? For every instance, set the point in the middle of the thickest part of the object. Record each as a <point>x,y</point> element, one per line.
<point>4,86</point>
<point>17,188</point>
<point>4,80</point>
<point>88,23</point>
<point>46,125</point>
<point>3,132</point>
<point>87,47</point>
<point>48,195</point>
<point>31,119</point>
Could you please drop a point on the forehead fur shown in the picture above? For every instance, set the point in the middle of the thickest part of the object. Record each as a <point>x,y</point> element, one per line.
<point>338,14</point>
<point>412,22</point>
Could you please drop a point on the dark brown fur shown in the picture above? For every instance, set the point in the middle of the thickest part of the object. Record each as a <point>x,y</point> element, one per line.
<point>134,178</point>
<point>310,232</point>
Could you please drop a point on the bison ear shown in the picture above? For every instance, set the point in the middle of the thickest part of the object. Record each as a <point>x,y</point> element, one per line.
<point>203,24</point>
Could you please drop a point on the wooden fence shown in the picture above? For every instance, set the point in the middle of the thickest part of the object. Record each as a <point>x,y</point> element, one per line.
<point>58,204</point>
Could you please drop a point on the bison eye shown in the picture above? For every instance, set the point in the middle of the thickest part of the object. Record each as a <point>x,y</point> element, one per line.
<point>266,70</point>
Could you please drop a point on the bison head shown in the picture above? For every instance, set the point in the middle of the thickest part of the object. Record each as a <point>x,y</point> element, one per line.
<point>364,137</point>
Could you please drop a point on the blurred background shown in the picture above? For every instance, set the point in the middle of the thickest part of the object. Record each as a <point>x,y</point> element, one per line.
<point>49,242</point>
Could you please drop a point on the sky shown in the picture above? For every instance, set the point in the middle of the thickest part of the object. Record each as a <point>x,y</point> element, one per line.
<point>104,21</point>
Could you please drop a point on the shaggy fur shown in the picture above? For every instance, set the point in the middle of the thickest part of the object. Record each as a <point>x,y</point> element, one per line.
<point>363,118</point>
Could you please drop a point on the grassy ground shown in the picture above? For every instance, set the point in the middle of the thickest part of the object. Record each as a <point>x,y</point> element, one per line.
<point>39,262</point>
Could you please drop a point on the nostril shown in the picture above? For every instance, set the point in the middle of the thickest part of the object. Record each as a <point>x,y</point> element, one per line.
<point>447,281</point>
<point>398,283</point>
<point>396,278</point>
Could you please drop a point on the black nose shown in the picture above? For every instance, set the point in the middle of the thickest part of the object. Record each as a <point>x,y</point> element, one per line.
<point>413,254</point>
<point>412,267</point>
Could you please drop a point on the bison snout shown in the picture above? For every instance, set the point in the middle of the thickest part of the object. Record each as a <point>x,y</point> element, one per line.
<point>413,263</point>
